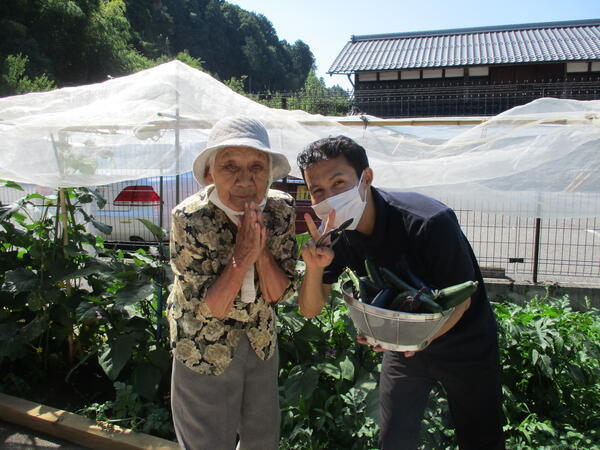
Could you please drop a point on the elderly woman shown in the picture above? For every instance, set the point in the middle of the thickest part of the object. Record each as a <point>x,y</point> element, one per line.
<point>233,253</point>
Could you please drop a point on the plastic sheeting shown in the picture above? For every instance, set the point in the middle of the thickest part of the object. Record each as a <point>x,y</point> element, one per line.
<point>541,159</point>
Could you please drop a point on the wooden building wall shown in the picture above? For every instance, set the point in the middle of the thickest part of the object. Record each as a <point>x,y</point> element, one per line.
<point>486,90</point>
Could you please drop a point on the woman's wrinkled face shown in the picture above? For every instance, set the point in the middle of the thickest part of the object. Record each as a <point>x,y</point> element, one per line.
<point>240,175</point>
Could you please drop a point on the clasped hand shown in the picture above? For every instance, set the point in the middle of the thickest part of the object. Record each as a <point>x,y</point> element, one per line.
<point>251,237</point>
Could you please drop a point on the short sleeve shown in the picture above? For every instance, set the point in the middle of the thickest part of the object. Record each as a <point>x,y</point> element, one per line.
<point>445,252</point>
<point>192,263</point>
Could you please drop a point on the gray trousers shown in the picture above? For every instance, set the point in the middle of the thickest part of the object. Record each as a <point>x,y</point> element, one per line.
<point>210,411</point>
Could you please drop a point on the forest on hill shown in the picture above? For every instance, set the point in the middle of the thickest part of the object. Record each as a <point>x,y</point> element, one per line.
<point>46,44</point>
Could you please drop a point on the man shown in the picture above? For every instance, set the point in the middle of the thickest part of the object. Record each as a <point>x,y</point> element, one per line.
<point>418,237</point>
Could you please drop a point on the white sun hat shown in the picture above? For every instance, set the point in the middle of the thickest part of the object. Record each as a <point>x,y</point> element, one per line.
<point>239,132</point>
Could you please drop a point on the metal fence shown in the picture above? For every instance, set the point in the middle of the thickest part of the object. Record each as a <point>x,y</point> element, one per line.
<point>536,250</point>
<point>464,99</point>
<point>431,98</point>
<point>518,248</point>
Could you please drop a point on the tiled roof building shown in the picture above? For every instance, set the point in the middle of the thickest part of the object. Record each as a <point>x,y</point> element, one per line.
<point>472,71</point>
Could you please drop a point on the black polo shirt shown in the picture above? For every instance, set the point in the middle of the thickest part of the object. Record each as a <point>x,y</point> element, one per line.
<point>420,239</point>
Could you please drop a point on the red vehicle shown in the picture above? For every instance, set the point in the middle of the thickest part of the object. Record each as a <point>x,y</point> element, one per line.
<point>153,200</point>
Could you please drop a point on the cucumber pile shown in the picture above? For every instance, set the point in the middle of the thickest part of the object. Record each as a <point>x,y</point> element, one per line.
<point>384,289</point>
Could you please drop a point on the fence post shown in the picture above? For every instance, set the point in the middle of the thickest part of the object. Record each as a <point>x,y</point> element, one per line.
<point>162,203</point>
<point>536,249</point>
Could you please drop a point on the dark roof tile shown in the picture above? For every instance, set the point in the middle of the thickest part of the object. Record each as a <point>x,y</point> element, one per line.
<point>540,42</point>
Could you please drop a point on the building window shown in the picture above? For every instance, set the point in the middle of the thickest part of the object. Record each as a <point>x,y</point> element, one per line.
<point>596,66</point>
<point>432,73</point>
<point>577,67</point>
<point>482,71</point>
<point>367,76</point>
<point>455,73</point>
<point>388,75</point>
<point>410,74</point>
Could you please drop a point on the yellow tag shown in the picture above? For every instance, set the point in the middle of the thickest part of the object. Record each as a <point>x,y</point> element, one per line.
<point>302,193</point>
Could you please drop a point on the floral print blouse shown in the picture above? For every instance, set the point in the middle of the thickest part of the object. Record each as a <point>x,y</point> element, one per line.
<point>201,245</point>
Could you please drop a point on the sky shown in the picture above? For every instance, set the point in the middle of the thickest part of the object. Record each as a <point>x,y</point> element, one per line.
<point>327,25</point>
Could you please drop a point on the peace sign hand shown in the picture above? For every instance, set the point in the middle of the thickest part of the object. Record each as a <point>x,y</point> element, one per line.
<point>317,257</point>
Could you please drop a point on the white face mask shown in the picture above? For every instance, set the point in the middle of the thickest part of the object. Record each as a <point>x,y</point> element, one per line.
<point>347,205</point>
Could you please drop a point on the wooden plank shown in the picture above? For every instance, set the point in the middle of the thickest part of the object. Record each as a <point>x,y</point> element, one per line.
<point>411,122</point>
<point>151,128</point>
<point>76,428</point>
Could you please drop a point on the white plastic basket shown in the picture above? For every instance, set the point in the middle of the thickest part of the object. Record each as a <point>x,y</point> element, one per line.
<point>393,330</point>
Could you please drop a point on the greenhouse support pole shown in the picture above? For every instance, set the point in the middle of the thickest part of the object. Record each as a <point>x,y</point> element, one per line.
<point>65,235</point>
<point>62,209</point>
<point>177,159</point>
<point>65,224</point>
<point>177,151</point>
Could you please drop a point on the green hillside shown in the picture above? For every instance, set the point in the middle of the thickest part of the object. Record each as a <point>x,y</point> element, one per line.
<point>55,43</point>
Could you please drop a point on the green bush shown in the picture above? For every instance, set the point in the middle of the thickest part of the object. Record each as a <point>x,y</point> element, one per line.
<point>80,312</point>
<point>14,78</point>
<point>551,373</point>
<point>328,382</point>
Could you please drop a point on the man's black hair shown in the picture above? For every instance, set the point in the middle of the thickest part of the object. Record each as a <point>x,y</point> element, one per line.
<point>332,147</point>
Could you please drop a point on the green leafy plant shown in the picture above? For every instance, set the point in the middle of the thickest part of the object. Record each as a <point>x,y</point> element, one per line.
<point>328,382</point>
<point>129,410</point>
<point>550,368</point>
<point>550,365</point>
<point>78,306</point>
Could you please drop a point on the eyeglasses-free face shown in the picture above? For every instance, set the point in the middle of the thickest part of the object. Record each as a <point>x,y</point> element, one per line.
<point>240,175</point>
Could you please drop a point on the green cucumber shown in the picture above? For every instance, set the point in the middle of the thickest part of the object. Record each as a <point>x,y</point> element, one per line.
<point>369,286</point>
<point>429,305</point>
<point>354,279</point>
<point>374,274</point>
<point>397,282</point>
<point>454,295</point>
<point>367,289</point>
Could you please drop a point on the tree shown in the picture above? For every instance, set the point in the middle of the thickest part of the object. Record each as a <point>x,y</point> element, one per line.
<point>15,81</point>
<point>74,42</point>
<point>302,61</point>
<point>317,98</point>
<point>108,50</point>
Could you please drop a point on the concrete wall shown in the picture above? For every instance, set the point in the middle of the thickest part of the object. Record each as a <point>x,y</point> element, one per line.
<point>520,291</point>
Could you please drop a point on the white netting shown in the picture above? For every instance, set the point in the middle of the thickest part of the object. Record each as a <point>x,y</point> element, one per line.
<point>541,159</point>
